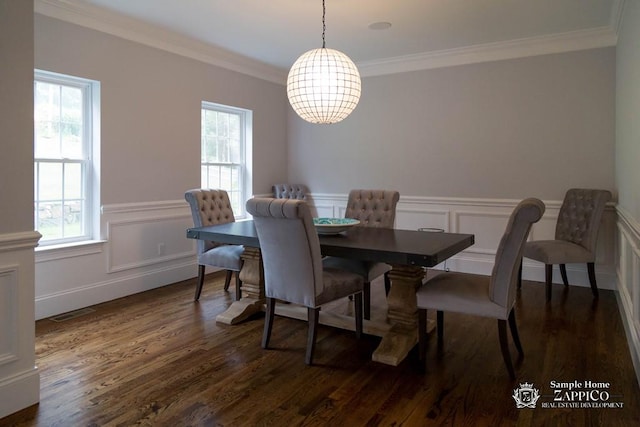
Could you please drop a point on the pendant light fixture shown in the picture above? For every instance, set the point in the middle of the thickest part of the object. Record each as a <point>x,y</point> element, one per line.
<point>323,85</point>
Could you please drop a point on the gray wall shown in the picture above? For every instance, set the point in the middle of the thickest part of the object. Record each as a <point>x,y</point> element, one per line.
<point>19,377</point>
<point>628,112</point>
<point>506,129</point>
<point>16,117</point>
<point>151,111</point>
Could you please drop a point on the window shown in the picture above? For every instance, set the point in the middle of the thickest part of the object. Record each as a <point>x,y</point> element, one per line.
<point>226,146</point>
<point>65,180</point>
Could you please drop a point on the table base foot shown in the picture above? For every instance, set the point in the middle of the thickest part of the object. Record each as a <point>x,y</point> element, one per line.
<point>240,311</point>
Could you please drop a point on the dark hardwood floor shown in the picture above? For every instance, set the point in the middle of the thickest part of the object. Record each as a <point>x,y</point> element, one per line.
<point>159,359</point>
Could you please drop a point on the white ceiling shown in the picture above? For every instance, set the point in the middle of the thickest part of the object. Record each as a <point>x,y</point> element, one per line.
<point>276,32</point>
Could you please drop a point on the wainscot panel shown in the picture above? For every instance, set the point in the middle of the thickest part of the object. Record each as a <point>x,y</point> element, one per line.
<point>19,376</point>
<point>144,247</point>
<point>628,276</point>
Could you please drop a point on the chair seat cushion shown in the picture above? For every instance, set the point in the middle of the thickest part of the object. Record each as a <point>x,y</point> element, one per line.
<point>557,252</point>
<point>367,269</point>
<point>338,284</point>
<point>225,256</point>
<point>460,293</point>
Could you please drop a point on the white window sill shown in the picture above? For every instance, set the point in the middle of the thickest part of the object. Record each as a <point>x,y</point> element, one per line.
<point>68,250</point>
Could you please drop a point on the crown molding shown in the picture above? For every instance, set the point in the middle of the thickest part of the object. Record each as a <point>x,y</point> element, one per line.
<point>520,48</point>
<point>99,19</point>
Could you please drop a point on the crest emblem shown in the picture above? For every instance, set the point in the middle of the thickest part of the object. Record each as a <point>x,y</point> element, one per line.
<point>526,396</point>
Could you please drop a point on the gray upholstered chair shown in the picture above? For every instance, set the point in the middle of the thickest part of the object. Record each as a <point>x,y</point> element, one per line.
<point>212,207</point>
<point>488,296</point>
<point>576,237</point>
<point>373,208</point>
<point>290,191</point>
<point>293,269</point>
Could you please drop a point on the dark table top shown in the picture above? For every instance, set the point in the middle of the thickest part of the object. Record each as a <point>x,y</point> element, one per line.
<point>406,247</point>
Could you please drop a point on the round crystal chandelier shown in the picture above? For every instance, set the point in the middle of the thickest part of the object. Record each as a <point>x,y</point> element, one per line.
<point>323,85</point>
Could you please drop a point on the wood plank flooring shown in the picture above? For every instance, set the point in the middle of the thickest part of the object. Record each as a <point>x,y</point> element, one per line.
<point>159,359</point>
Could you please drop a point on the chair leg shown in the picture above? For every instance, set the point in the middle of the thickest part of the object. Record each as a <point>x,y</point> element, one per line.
<point>387,284</point>
<point>268,321</point>
<point>548,278</point>
<point>238,286</point>
<point>520,275</point>
<point>422,333</point>
<point>366,293</point>
<point>504,347</point>
<point>227,280</point>
<point>358,313</point>
<point>514,332</point>
<point>313,316</point>
<point>563,273</point>
<point>200,282</point>
<point>440,325</point>
<point>591,269</point>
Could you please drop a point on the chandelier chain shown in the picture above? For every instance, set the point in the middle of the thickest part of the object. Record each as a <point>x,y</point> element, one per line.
<point>324,27</point>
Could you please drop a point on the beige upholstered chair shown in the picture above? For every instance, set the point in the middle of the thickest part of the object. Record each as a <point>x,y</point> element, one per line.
<point>293,269</point>
<point>212,207</point>
<point>290,191</point>
<point>488,296</point>
<point>576,236</point>
<point>373,208</point>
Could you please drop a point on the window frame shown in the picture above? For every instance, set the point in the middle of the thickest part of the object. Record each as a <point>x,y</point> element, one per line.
<point>89,163</point>
<point>245,130</point>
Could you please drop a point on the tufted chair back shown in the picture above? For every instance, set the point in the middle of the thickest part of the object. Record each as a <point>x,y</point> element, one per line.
<point>580,216</point>
<point>373,208</point>
<point>209,207</point>
<point>290,191</point>
<point>289,243</point>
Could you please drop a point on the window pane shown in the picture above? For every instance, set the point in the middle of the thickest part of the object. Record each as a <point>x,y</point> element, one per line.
<point>213,173</point>
<point>73,181</point>
<point>46,116</point>
<point>71,122</point>
<point>50,182</point>
<point>49,223</point>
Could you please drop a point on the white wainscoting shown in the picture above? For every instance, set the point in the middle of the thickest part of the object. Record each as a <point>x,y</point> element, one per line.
<point>144,246</point>
<point>628,274</point>
<point>486,219</point>
<point>19,376</point>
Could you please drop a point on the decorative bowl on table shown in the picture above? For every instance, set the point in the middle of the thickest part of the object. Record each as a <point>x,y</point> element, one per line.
<point>333,225</point>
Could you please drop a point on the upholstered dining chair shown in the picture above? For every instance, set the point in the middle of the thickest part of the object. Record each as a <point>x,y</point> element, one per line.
<point>290,191</point>
<point>373,208</point>
<point>213,207</point>
<point>575,239</point>
<point>293,269</point>
<point>487,296</point>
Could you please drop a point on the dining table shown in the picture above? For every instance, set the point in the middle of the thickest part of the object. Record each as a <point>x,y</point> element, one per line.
<point>409,252</point>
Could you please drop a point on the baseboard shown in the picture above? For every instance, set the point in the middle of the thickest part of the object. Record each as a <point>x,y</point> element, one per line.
<point>19,391</point>
<point>96,293</point>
